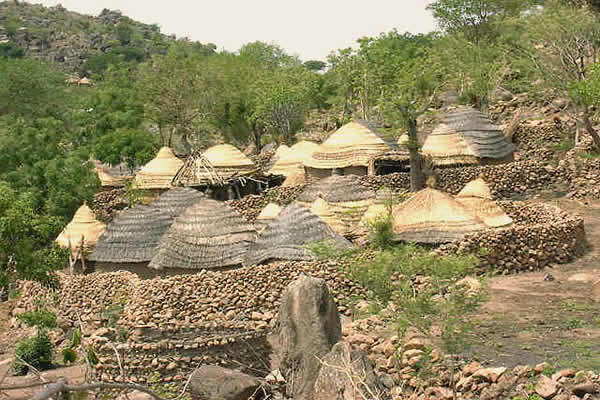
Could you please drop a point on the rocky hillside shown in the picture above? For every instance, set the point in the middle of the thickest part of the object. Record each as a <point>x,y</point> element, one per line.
<point>79,43</point>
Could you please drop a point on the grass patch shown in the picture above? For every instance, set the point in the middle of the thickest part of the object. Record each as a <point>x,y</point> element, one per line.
<point>566,144</point>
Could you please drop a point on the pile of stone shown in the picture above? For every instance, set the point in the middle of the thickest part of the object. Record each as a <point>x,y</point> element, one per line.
<point>541,235</point>
<point>251,206</point>
<point>107,204</point>
<point>397,181</point>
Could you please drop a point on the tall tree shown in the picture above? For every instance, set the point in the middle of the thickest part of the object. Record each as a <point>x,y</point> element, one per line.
<point>564,43</point>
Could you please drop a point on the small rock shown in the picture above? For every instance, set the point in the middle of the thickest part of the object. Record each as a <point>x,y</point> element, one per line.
<point>490,374</point>
<point>584,388</point>
<point>215,383</point>
<point>470,369</point>
<point>563,374</point>
<point>546,387</point>
<point>541,367</point>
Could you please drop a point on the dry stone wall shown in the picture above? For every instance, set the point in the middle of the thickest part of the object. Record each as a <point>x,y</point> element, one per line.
<point>528,244</point>
<point>170,325</point>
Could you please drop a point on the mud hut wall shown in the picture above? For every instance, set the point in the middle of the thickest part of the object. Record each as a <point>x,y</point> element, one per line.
<point>360,171</point>
<point>527,245</point>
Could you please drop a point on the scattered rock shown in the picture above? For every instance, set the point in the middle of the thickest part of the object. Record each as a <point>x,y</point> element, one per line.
<point>490,374</point>
<point>546,387</point>
<point>215,383</point>
<point>309,327</point>
<point>346,374</point>
<point>584,388</point>
<point>470,369</point>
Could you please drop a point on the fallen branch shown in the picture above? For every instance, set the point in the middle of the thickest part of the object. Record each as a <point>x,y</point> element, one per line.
<point>63,387</point>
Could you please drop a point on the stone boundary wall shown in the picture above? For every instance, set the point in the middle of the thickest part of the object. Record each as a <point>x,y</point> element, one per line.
<point>170,325</point>
<point>526,245</point>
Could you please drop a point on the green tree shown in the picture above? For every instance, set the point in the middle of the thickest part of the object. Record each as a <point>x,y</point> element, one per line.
<point>564,43</point>
<point>181,98</point>
<point>30,88</point>
<point>475,18</point>
<point>315,65</point>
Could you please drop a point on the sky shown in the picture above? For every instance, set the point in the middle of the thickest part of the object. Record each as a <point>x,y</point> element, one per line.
<point>310,29</point>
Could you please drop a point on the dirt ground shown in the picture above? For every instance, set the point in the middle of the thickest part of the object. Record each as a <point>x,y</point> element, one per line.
<point>528,319</point>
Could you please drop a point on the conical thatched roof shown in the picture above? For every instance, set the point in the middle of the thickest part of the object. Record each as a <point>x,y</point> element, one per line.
<point>268,214</point>
<point>477,198</point>
<point>476,188</point>
<point>132,236</point>
<point>216,166</point>
<point>287,237</point>
<point>354,144</point>
<point>431,216</point>
<point>295,179</point>
<point>110,176</point>
<point>336,189</point>
<point>84,225</point>
<point>159,172</point>
<point>322,210</point>
<point>175,200</point>
<point>464,136</point>
<point>292,161</point>
<point>207,235</point>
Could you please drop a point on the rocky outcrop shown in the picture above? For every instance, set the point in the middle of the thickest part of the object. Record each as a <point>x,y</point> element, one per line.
<point>309,327</point>
<point>70,39</point>
<point>346,374</point>
<point>210,382</point>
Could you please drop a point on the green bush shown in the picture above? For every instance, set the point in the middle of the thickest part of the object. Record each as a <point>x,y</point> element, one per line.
<point>36,351</point>
<point>41,318</point>
<point>382,232</point>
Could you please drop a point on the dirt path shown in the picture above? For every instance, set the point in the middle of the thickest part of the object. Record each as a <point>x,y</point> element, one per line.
<point>529,319</point>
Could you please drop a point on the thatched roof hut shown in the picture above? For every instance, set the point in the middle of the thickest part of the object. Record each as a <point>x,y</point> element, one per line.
<point>431,216</point>
<point>175,200</point>
<point>112,176</point>
<point>208,235</point>
<point>268,214</point>
<point>83,227</point>
<point>467,136</point>
<point>336,189</point>
<point>346,198</point>
<point>287,237</point>
<point>477,198</point>
<point>353,145</point>
<point>132,237</point>
<point>216,166</point>
<point>323,210</point>
<point>292,161</point>
<point>295,179</point>
<point>159,172</point>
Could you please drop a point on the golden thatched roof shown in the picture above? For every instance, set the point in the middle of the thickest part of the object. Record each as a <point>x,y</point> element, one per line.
<point>84,226</point>
<point>431,216</point>
<point>464,136</point>
<point>295,179</point>
<point>354,144</point>
<point>476,196</point>
<point>476,188</point>
<point>159,172</point>
<point>217,165</point>
<point>292,160</point>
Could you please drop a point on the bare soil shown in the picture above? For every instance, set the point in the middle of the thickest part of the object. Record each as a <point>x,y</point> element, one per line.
<point>548,315</point>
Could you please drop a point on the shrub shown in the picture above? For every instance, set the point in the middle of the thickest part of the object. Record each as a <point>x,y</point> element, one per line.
<point>41,318</point>
<point>36,351</point>
<point>382,232</point>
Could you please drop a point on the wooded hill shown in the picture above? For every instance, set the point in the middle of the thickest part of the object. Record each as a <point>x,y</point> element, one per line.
<point>80,43</point>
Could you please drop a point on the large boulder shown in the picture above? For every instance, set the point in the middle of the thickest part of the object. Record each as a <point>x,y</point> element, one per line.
<point>216,383</point>
<point>347,374</point>
<point>309,327</point>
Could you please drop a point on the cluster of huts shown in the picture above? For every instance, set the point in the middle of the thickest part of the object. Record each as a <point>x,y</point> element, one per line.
<point>185,228</point>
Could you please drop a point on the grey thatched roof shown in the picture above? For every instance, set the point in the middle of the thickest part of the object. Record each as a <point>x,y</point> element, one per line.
<point>132,236</point>
<point>484,137</point>
<point>287,237</point>
<point>207,235</point>
<point>176,200</point>
<point>336,189</point>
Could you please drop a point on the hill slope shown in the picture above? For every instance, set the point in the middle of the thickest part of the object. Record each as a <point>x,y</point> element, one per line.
<point>80,43</point>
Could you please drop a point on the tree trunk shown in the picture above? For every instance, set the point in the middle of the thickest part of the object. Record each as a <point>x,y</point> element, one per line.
<point>417,181</point>
<point>587,123</point>
<point>257,136</point>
